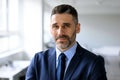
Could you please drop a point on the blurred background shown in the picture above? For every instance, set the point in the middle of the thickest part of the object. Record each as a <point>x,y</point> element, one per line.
<point>24,30</point>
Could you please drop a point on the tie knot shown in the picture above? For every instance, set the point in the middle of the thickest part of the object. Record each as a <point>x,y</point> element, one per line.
<point>62,56</point>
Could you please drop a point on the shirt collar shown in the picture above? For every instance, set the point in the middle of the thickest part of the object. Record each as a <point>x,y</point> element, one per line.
<point>69,53</point>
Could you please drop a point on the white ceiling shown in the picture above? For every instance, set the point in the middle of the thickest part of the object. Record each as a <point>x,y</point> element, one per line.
<point>88,6</point>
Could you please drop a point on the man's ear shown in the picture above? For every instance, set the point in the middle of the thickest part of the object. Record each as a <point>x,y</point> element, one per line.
<point>78,28</point>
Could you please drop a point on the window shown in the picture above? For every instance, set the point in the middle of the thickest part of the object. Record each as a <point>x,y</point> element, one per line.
<point>10,30</point>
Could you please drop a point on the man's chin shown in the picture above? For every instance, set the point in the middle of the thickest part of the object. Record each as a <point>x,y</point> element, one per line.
<point>62,45</point>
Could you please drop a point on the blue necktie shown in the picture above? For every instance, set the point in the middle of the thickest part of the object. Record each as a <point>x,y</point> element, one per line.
<point>61,66</point>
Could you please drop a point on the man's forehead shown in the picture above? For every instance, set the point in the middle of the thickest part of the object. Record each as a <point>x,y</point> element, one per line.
<point>63,15</point>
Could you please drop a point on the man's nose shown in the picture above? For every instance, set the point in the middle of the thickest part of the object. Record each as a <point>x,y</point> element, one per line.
<point>60,31</point>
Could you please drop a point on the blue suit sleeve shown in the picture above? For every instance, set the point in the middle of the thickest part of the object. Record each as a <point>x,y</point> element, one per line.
<point>98,70</point>
<point>31,71</point>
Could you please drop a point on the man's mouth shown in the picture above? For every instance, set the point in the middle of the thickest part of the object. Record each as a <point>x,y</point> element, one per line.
<point>63,37</point>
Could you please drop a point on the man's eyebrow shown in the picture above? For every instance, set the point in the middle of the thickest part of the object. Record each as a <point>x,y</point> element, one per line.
<point>63,23</point>
<point>66,23</point>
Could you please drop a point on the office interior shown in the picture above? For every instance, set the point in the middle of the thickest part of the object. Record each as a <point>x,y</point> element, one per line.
<point>24,31</point>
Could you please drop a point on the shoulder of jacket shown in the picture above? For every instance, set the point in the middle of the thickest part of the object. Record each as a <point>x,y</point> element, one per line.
<point>45,53</point>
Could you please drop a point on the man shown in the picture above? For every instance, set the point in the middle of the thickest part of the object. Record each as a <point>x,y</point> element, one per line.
<point>79,64</point>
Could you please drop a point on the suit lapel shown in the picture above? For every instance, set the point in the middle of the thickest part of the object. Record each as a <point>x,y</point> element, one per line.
<point>73,64</point>
<point>52,64</point>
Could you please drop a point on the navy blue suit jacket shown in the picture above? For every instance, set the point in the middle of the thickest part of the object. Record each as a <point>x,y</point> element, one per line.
<point>83,66</point>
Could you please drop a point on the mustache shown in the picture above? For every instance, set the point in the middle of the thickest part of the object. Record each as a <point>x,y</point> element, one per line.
<point>62,36</point>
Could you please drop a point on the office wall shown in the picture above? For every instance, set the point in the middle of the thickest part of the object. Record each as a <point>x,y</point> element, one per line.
<point>32,23</point>
<point>99,30</point>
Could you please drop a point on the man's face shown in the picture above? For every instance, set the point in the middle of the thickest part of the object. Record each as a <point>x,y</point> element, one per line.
<point>63,30</point>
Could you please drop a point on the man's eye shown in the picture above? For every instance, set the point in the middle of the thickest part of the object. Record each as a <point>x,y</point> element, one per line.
<point>66,25</point>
